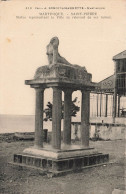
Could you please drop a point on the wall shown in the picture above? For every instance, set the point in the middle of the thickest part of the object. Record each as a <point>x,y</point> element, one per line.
<point>101,131</point>
<point>108,132</point>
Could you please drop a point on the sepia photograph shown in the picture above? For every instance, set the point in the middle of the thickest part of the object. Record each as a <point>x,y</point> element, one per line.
<point>62,97</point>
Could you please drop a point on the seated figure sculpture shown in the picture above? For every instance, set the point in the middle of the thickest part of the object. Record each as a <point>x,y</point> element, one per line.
<point>55,59</point>
<point>53,54</point>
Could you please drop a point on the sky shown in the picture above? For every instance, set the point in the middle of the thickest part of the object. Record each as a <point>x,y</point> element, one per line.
<point>87,42</point>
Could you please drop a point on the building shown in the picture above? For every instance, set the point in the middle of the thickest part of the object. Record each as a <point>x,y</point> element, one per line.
<point>109,95</point>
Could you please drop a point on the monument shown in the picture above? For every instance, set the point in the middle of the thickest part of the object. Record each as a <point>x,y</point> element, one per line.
<point>61,156</point>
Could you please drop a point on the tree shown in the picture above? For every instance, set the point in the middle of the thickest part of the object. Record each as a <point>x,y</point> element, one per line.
<point>48,110</point>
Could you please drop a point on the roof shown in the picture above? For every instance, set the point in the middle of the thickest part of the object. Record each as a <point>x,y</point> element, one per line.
<point>106,85</point>
<point>106,79</point>
<point>121,55</point>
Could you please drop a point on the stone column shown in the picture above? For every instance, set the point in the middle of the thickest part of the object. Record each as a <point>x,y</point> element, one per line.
<point>39,117</point>
<point>85,113</point>
<point>106,105</point>
<point>97,103</point>
<point>118,105</point>
<point>115,94</point>
<point>56,118</point>
<point>101,105</point>
<point>67,116</point>
<point>114,104</point>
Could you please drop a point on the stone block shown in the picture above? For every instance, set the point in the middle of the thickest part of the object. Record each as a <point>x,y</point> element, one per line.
<point>62,165</point>
<point>98,159</point>
<point>78,163</point>
<point>37,162</point>
<point>101,158</point>
<point>49,164</point>
<point>24,159</point>
<point>71,164</point>
<point>92,160</point>
<point>59,166</point>
<point>86,161</point>
<point>29,161</point>
<point>18,158</point>
<point>44,163</point>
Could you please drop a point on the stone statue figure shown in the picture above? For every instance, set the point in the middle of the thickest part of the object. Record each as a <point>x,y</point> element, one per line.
<point>53,54</point>
<point>59,66</point>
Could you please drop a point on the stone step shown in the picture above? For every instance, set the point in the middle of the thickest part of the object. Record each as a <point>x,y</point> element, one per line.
<point>57,166</point>
<point>53,173</point>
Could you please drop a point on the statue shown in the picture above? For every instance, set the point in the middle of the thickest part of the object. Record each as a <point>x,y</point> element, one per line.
<point>59,65</point>
<point>53,54</point>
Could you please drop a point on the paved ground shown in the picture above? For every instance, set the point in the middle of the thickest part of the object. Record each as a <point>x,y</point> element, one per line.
<point>98,180</point>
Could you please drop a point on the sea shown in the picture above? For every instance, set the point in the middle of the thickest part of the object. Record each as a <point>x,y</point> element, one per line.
<point>26,123</point>
<point>22,123</point>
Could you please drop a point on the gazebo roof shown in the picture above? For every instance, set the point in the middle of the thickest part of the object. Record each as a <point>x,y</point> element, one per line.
<point>121,55</point>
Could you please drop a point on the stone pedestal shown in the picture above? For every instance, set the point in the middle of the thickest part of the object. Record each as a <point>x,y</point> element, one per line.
<point>60,161</point>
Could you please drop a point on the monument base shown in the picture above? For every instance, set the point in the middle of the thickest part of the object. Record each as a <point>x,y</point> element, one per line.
<point>58,162</point>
